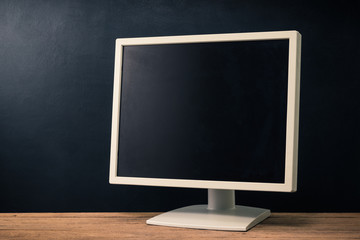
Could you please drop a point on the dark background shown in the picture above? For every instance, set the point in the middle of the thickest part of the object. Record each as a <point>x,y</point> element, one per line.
<point>56,76</point>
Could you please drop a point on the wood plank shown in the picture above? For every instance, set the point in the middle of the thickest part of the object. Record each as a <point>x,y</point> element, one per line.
<point>132,226</point>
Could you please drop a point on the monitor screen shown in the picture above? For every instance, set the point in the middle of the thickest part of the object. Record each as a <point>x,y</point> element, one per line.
<point>207,111</point>
<point>204,111</point>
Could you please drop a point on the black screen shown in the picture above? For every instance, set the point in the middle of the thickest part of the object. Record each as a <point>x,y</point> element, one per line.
<point>206,111</point>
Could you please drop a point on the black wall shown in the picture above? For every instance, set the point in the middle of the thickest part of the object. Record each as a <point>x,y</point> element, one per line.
<point>56,76</point>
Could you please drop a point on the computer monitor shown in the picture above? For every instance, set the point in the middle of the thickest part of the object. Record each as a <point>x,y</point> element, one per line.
<point>218,111</point>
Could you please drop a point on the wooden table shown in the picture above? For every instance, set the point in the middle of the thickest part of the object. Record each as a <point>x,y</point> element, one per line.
<point>132,226</point>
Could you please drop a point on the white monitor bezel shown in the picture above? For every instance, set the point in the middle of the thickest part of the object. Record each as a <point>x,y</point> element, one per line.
<point>292,125</point>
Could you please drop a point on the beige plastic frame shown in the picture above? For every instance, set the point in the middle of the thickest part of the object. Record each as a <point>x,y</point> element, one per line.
<point>291,153</point>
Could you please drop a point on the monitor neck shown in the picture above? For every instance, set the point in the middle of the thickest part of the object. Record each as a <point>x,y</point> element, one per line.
<point>219,199</point>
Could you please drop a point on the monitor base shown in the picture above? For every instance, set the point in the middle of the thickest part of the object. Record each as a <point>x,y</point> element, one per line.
<point>240,218</point>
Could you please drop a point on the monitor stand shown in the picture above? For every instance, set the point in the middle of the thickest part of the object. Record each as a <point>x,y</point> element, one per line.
<point>221,213</point>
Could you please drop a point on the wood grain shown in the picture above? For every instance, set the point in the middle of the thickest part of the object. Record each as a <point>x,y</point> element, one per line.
<point>132,226</point>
